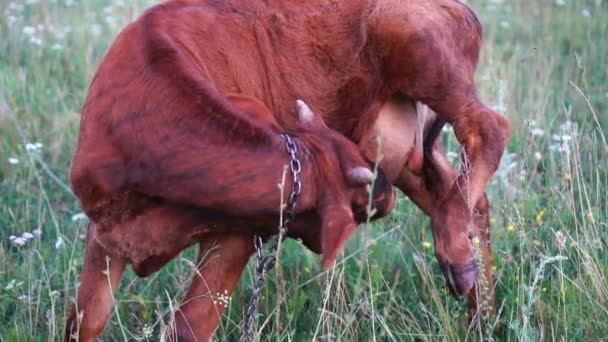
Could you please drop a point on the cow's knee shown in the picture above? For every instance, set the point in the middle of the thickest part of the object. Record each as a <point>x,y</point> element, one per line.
<point>483,134</point>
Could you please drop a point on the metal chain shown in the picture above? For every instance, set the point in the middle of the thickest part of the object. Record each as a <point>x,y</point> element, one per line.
<point>264,263</point>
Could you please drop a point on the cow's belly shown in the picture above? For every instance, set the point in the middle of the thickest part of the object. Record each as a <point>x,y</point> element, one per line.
<point>395,139</point>
<point>153,237</point>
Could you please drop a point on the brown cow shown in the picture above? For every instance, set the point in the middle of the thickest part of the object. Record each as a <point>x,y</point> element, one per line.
<point>161,88</point>
<point>132,223</point>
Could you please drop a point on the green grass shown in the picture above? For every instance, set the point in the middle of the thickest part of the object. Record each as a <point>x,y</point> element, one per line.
<point>542,62</point>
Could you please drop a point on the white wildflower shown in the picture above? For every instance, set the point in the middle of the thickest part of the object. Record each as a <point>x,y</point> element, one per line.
<point>78,217</point>
<point>538,155</point>
<point>27,235</point>
<point>568,126</point>
<point>523,175</point>
<point>560,147</point>
<point>37,232</point>
<point>560,241</point>
<point>147,331</point>
<point>10,285</point>
<point>13,161</point>
<point>560,2</point>
<point>505,24</point>
<point>564,138</point>
<point>537,132</point>
<point>28,30</point>
<point>36,41</point>
<point>59,243</point>
<point>110,20</point>
<point>33,147</point>
<point>96,29</point>
<point>19,241</point>
<point>585,13</point>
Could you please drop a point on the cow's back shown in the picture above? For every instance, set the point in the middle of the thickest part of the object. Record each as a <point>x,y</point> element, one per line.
<point>278,51</point>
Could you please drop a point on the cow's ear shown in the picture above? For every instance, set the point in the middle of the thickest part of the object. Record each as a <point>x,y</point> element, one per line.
<point>336,227</point>
<point>308,119</point>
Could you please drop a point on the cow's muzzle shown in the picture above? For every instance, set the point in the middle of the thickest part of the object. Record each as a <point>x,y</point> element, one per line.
<point>460,279</point>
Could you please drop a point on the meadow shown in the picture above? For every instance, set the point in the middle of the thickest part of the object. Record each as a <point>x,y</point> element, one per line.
<point>544,65</point>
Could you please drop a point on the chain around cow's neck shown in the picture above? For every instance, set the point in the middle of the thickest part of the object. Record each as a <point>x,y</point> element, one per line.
<point>265,262</point>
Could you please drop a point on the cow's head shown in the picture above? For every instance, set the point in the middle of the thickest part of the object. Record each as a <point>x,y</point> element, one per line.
<point>455,239</point>
<point>345,180</point>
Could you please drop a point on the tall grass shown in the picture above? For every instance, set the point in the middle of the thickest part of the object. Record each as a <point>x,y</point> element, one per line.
<point>544,65</point>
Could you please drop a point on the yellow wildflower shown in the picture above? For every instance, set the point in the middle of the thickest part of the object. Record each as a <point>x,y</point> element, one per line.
<point>567,176</point>
<point>476,241</point>
<point>427,244</point>
<point>511,227</point>
<point>539,216</point>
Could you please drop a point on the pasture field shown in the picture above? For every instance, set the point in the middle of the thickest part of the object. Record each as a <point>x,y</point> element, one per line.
<point>544,64</point>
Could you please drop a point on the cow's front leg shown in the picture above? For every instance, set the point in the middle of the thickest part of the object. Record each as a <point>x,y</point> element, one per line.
<point>100,277</point>
<point>222,258</point>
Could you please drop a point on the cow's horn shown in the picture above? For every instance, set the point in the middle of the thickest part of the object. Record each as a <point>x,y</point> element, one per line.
<point>361,175</point>
<point>306,115</point>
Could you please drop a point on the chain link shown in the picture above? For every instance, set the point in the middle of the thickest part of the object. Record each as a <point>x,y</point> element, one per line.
<point>264,263</point>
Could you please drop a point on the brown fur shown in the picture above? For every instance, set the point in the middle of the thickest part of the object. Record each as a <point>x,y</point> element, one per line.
<point>157,128</point>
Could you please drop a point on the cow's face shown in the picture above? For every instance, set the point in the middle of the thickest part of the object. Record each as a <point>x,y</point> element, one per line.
<point>455,241</point>
<point>382,199</point>
<point>344,178</point>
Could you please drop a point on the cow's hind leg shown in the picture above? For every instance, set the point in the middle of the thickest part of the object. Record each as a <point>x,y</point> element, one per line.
<point>222,258</point>
<point>100,277</point>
